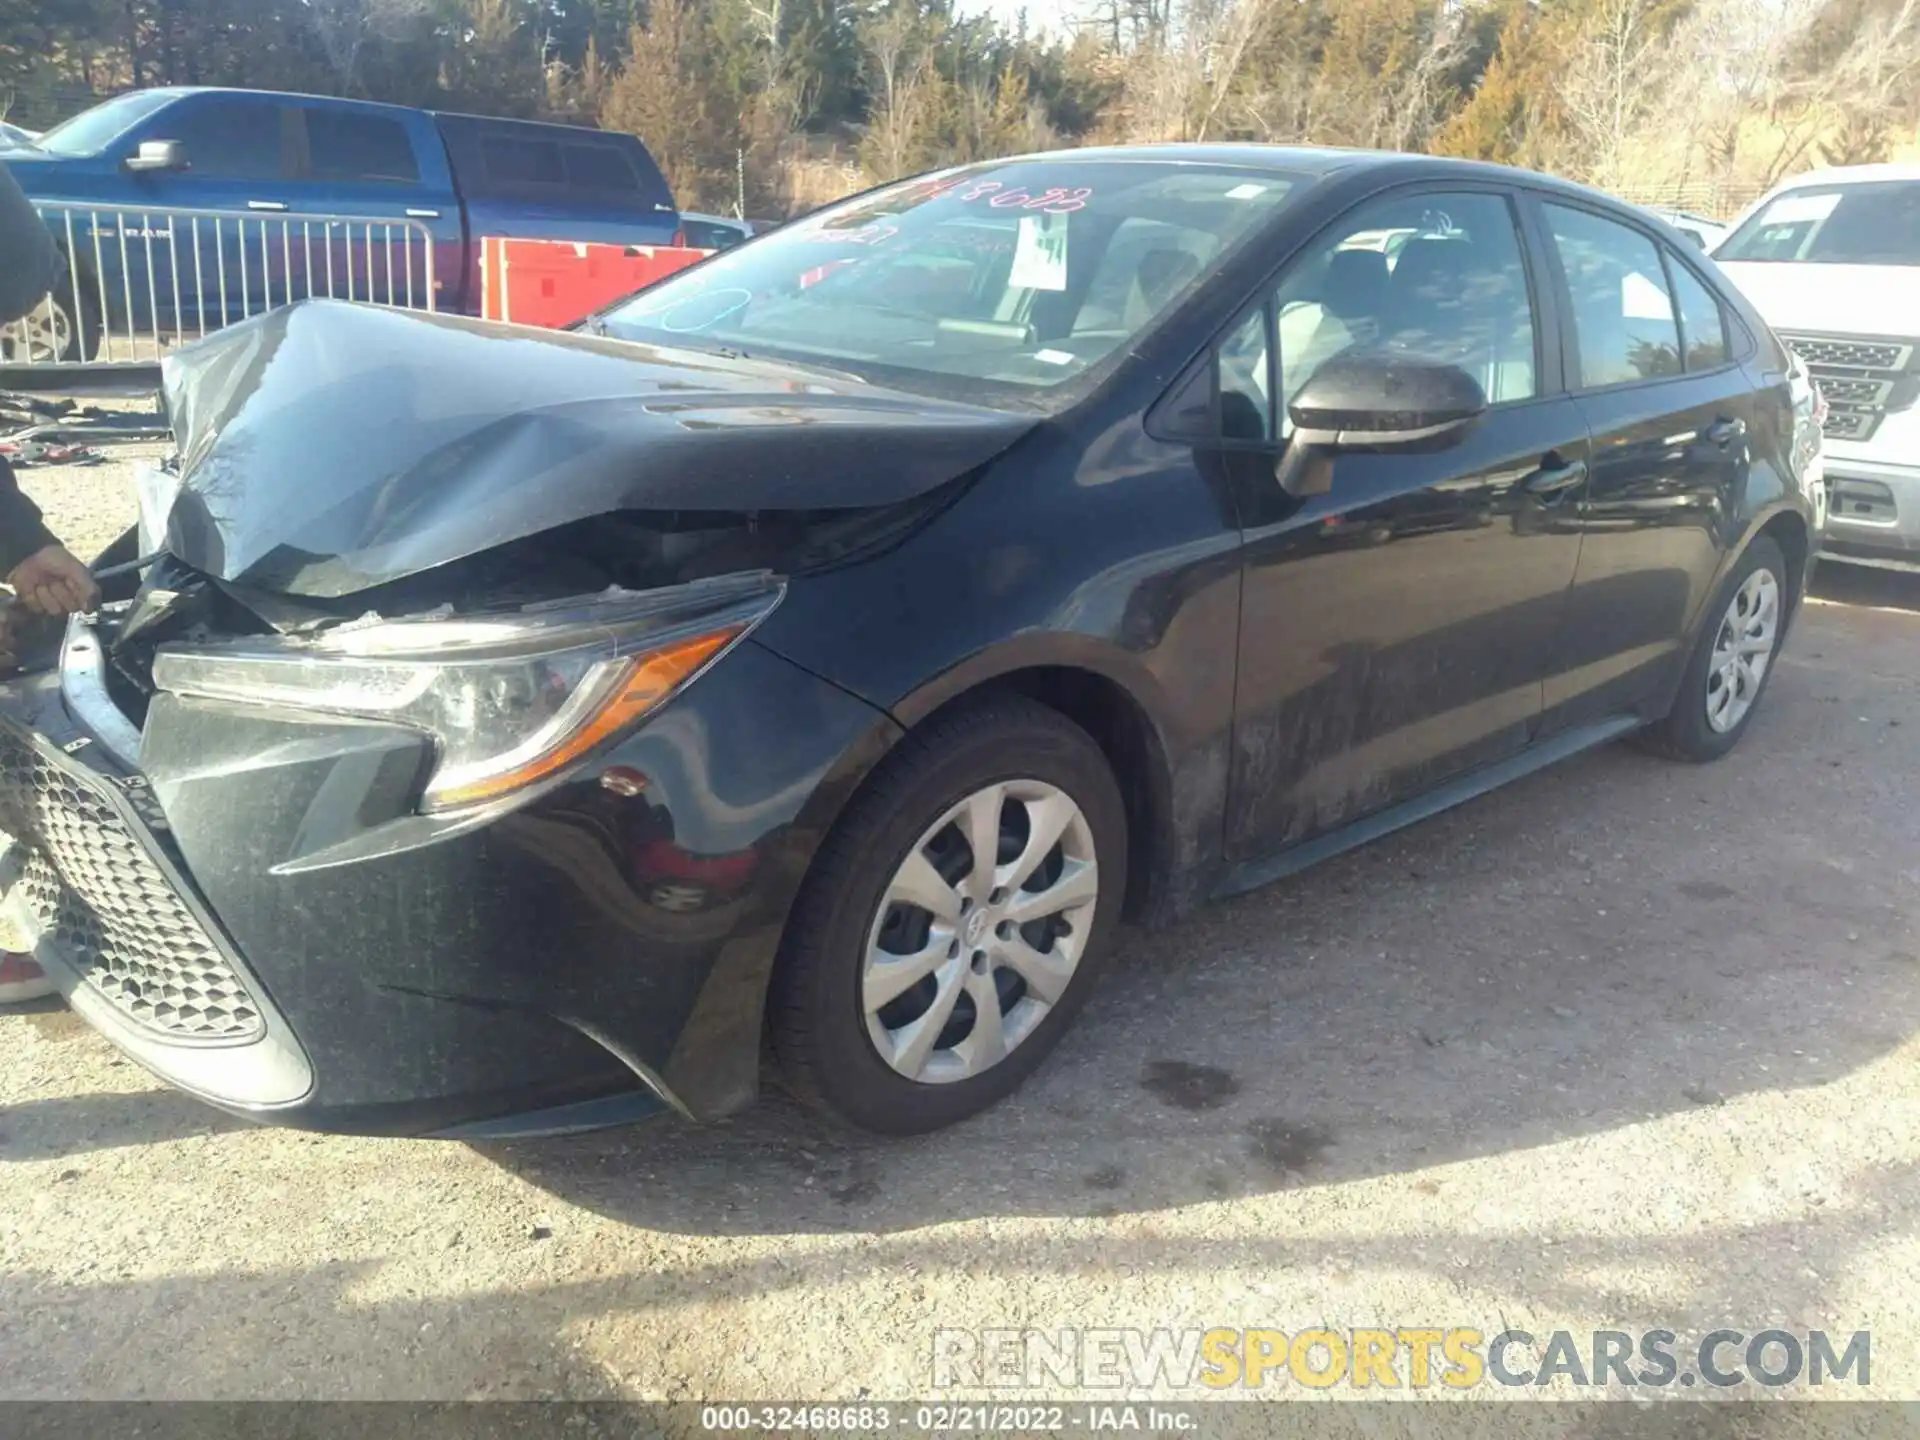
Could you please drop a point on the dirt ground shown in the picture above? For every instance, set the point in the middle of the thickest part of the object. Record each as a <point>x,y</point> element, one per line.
<point>1625,1045</point>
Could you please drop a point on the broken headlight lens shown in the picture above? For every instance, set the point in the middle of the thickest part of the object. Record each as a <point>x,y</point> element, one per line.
<point>509,699</point>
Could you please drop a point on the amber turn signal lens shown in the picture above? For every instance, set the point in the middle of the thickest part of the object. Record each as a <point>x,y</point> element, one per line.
<point>647,680</point>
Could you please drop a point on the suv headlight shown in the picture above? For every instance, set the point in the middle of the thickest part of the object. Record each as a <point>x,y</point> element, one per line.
<point>509,699</point>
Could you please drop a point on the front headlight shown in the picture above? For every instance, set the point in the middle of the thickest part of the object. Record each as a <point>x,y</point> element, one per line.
<point>509,699</point>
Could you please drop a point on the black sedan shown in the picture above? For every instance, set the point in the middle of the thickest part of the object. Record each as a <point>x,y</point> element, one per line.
<point>507,732</point>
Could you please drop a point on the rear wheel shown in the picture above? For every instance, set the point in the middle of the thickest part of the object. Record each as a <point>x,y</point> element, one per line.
<point>954,921</point>
<point>1731,663</point>
<point>62,327</point>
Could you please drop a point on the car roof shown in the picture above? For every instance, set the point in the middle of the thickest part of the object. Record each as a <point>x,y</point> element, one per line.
<point>175,92</point>
<point>1850,175</point>
<point>1317,161</point>
<point>1835,175</point>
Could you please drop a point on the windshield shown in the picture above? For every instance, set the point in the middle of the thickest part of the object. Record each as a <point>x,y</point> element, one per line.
<point>1014,279</point>
<point>91,131</point>
<point>1865,224</point>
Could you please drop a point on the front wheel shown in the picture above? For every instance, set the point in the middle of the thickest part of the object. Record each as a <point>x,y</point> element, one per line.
<point>1731,663</point>
<point>954,921</point>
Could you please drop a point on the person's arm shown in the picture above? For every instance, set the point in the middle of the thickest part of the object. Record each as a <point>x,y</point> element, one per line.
<point>29,260</point>
<point>22,533</point>
<point>46,577</point>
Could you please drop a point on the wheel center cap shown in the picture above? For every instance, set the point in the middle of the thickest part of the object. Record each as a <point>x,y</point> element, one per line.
<point>976,927</point>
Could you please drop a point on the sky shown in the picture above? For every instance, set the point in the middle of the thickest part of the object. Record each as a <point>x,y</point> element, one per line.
<point>1041,14</point>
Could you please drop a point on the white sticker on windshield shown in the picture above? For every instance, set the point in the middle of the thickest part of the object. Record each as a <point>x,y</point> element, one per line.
<point>1040,254</point>
<point>1246,192</point>
<point>1791,209</point>
<point>1055,357</point>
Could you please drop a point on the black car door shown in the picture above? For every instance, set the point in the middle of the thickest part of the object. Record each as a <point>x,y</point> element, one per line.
<point>1650,356</point>
<point>1398,612</point>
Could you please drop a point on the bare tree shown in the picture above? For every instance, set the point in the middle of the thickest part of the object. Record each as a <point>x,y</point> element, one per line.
<point>1616,80</point>
<point>343,28</point>
<point>898,63</point>
<point>1231,29</point>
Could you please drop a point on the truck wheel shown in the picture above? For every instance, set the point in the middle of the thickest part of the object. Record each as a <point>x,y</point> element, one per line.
<point>63,327</point>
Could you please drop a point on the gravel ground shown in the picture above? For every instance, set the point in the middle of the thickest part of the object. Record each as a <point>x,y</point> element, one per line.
<point>1625,1045</point>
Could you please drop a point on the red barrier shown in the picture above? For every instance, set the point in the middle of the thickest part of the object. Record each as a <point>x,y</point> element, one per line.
<point>556,282</point>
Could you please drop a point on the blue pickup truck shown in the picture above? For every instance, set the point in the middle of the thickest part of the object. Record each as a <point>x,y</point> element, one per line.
<point>185,209</point>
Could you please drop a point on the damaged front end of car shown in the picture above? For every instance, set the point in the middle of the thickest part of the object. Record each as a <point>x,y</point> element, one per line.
<point>369,796</point>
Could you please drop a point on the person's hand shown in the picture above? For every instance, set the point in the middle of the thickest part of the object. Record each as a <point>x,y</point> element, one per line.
<point>52,582</point>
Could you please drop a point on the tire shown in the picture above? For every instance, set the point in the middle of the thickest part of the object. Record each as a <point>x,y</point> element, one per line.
<point>858,1066</point>
<point>63,327</point>
<point>1689,730</point>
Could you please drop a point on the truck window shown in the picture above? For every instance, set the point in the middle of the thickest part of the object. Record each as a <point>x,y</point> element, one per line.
<point>233,138</point>
<point>91,131</point>
<point>349,145</point>
<point>510,160</point>
<point>1867,223</point>
<point>600,167</point>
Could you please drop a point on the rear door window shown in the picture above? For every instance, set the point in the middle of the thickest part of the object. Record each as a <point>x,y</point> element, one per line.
<point>1623,315</point>
<point>353,147</point>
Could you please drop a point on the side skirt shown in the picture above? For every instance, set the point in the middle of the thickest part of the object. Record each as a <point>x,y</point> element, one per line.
<point>1252,874</point>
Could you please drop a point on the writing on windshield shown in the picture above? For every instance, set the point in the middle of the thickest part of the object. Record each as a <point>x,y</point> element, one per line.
<point>1023,274</point>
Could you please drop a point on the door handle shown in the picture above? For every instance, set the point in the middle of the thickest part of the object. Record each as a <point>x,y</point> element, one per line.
<point>1724,432</point>
<point>1550,482</point>
<point>266,204</point>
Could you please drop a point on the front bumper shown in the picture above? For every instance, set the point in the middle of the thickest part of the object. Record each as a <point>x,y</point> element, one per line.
<point>1873,514</point>
<point>256,914</point>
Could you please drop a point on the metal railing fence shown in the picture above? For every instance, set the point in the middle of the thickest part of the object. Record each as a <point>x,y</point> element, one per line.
<point>140,282</point>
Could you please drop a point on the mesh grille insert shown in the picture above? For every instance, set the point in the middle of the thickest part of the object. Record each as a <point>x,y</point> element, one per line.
<point>95,890</point>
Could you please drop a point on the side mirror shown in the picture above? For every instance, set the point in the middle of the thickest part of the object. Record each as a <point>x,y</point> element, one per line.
<point>158,155</point>
<point>1378,400</point>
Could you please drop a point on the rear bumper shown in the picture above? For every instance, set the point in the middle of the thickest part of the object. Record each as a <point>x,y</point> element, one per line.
<point>257,916</point>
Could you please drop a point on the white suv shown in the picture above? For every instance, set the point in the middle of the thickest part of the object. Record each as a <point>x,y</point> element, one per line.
<point>1832,261</point>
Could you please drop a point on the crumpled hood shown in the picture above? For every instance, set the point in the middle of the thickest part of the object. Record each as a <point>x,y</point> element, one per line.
<point>326,447</point>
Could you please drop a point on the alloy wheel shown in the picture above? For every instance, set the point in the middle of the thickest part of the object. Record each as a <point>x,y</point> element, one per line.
<point>1742,650</point>
<point>40,336</point>
<point>979,931</point>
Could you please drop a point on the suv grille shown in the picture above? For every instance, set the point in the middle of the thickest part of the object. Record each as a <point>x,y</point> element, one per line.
<point>1862,380</point>
<point>96,890</point>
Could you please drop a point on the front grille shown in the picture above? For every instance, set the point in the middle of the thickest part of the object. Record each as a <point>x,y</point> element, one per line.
<point>1852,354</point>
<point>1861,380</point>
<point>96,891</point>
<point>1840,390</point>
<point>1850,424</point>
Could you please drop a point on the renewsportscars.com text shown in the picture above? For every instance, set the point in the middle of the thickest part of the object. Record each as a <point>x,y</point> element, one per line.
<point>1411,1357</point>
